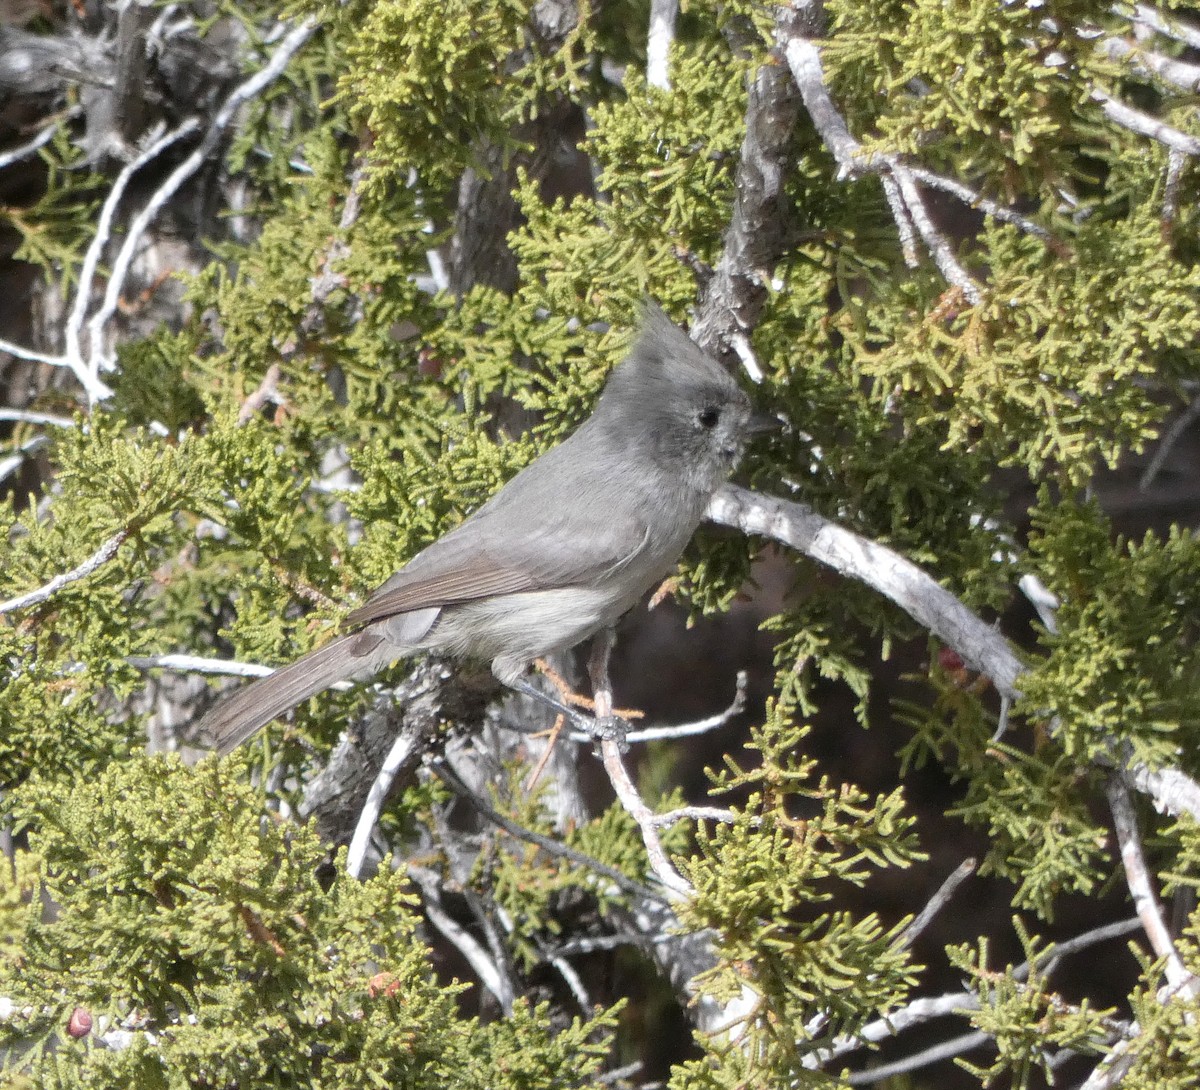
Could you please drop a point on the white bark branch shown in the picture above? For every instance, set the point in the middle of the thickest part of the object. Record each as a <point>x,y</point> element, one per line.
<point>44,136</point>
<point>473,951</point>
<point>91,260</point>
<point>1148,16</point>
<point>1145,124</point>
<point>904,198</point>
<point>402,752</point>
<point>198,664</point>
<point>980,645</point>
<point>658,42</point>
<point>1141,886</point>
<point>97,560</point>
<point>288,46</point>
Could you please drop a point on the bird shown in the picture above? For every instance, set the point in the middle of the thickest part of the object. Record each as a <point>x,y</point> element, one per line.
<point>560,552</point>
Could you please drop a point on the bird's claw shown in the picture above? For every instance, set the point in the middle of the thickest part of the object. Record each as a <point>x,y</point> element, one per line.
<point>605,728</point>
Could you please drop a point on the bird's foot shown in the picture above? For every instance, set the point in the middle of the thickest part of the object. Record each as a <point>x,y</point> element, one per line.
<point>605,728</point>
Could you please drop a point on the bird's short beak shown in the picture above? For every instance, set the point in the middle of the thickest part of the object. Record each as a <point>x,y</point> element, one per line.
<point>761,423</point>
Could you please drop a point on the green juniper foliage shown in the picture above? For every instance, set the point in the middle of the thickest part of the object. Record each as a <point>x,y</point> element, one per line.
<point>310,415</point>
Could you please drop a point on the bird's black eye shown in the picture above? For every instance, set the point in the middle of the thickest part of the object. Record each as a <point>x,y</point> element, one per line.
<point>708,416</point>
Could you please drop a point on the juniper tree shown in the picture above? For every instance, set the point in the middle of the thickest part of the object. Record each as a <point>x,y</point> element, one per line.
<point>298,289</point>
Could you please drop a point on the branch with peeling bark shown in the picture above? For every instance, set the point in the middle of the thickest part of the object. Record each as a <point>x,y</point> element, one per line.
<point>980,645</point>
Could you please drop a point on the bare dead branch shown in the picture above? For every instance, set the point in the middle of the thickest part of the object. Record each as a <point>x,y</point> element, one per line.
<point>1145,124</point>
<point>975,199</point>
<point>956,1046</point>
<point>636,889</point>
<point>1172,27</point>
<point>43,137</point>
<point>754,240</point>
<point>1145,62</point>
<point>658,42</point>
<point>91,259</point>
<point>1141,888</point>
<point>29,416</point>
<point>404,753</point>
<point>198,664</point>
<point>97,560</point>
<point>693,813</point>
<point>904,198</point>
<point>937,902</point>
<point>618,774</point>
<point>635,806</point>
<point>486,968</point>
<point>289,45</point>
<point>686,730</point>
<point>981,647</point>
<point>1173,434</point>
<point>918,594</point>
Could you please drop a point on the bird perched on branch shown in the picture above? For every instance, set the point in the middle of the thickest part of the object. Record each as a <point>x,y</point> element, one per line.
<point>560,552</point>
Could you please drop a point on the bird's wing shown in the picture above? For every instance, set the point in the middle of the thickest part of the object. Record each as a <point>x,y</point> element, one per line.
<point>486,557</point>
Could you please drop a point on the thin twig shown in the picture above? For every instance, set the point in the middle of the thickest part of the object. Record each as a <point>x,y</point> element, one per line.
<point>1176,161</point>
<point>1111,1071</point>
<point>10,463</point>
<point>975,199</point>
<point>906,230</point>
<point>31,354</point>
<point>570,977</point>
<point>686,730</point>
<point>618,774</point>
<point>1043,600</point>
<point>402,751</point>
<point>289,45</point>
<point>744,351</point>
<point>635,806</point>
<point>98,559</point>
<point>591,944</point>
<point>938,246</point>
<point>485,966</point>
<point>1173,434</point>
<point>44,136</point>
<point>804,60</point>
<point>257,398</point>
<point>693,813</point>
<point>1145,124</point>
<point>936,903</point>
<point>1137,877</point>
<point>91,259</point>
<point>28,416</point>
<point>547,844</point>
<point>920,1011</point>
<point>899,185</point>
<point>956,1046</point>
<point>198,664</point>
<point>1048,961</point>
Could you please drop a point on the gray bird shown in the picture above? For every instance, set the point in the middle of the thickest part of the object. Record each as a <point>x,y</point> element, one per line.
<point>560,552</point>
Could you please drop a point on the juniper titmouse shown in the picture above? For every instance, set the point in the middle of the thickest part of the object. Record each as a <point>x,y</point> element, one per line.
<point>560,552</point>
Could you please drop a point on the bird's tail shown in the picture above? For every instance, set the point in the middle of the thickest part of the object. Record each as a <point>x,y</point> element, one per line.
<point>239,716</point>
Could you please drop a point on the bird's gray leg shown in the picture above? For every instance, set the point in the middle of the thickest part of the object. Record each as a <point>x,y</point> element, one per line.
<point>599,727</point>
<point>605,724</point>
